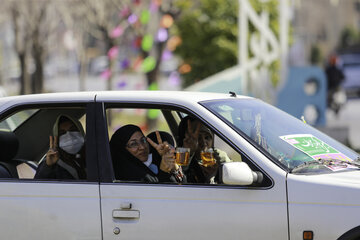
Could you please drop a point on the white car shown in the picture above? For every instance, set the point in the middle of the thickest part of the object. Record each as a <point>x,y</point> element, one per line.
<point>285,180</point>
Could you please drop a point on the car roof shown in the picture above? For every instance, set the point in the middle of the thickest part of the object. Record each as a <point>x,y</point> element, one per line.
<point>162,96</point>
<point>6,102</point>
<point>141,96</point>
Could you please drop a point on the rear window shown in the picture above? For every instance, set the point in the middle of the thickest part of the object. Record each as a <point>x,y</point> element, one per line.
<point>11,123</point>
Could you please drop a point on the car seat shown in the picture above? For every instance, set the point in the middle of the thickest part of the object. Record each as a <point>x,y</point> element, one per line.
<point>10,167</point>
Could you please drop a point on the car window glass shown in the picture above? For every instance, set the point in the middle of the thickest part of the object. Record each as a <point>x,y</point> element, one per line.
<point>12,122</point>
<point>232,154</point>
<point>146,119</point>
<point>126,163</point>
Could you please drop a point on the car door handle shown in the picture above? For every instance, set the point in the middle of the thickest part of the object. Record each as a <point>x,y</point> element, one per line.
<point>126,214</point>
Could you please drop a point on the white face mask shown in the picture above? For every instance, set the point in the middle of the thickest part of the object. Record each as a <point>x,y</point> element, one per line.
<point>71,142</point>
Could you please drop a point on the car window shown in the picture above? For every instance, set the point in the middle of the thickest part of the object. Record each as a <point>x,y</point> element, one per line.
<point>204,159</point>
<point>29,135</point>
<point>12,122</point>
<point>287,139</point>
<point>146,119</point>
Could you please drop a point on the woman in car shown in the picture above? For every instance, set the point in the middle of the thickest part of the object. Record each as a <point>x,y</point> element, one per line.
<point>196,136</point>
<point>65,158</point>
<point>132,160</point>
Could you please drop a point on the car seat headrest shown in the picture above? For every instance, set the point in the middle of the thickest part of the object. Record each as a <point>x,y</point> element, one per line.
<point>9,145</point>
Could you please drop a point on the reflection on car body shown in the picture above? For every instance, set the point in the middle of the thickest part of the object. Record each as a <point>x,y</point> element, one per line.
<point>285,179</point>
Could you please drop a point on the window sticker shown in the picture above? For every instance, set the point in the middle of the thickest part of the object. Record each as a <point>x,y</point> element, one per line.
<point>317,149</point>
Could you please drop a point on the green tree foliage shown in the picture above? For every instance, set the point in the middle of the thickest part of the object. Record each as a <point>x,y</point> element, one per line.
<point>349,37</point>
<point>208,29</point>
<point>209,33</point>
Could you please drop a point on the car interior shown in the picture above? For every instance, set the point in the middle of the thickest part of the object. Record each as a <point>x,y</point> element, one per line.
<point>168,121</point>
<point>24,134</point>
<point>24,139</point>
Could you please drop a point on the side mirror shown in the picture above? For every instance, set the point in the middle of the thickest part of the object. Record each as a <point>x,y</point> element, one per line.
<point>239,173</point>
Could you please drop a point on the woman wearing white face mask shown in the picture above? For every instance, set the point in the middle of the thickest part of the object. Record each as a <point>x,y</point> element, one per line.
<point>65,158</point>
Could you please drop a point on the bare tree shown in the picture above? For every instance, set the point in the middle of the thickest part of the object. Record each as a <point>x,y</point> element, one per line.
<point>21,44</point>
<point>99,18</point>
<point>34,22</point>
<point>74,16</point>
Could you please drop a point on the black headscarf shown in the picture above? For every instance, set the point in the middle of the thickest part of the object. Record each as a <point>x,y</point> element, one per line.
<point>126,166</point>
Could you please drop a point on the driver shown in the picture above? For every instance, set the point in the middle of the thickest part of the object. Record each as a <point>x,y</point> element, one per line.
<point>196,136</point>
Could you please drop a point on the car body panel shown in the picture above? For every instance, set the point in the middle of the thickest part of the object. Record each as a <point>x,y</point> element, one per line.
<point>195,212</point>
<point>39,210</point>
<point>327,204</point>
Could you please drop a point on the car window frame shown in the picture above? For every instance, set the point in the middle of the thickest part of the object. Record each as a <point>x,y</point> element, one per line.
<point>91,146</point>
<point>106,173</point>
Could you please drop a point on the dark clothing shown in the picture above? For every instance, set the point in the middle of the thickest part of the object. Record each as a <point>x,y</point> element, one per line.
<point>129,168</point>
<point>334,76</point>
<point>193,172</point>
<point>67,167</point>
<point>135,170</point>
<point>55,172</point>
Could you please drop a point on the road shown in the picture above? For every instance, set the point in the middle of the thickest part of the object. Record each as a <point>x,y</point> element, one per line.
<point>348,117</point>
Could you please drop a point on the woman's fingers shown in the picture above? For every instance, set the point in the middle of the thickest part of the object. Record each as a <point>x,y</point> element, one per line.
<point>190,132</point>
<point>152,143</point>
<point>197,131</point>
<point>51,146</point>
<point>161,148</point>
<point>168,160</point>
<point>189,126</point>
<point>56,139</point>
<point>158,137</point>
<point>52,156</point>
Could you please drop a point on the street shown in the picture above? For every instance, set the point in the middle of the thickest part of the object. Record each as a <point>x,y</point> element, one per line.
<point>348,117</point>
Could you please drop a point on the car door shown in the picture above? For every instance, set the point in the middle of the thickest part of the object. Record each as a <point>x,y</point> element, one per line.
<point>48,208</point>
<point>189,211</point>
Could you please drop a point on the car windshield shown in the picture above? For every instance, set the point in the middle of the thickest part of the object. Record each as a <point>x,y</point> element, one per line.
<point>295,144</point>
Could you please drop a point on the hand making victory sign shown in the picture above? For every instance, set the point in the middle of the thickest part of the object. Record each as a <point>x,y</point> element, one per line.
<point>161,147</point>
<point>167,153</point>
<point>52,156</point>
<point>191,137</point>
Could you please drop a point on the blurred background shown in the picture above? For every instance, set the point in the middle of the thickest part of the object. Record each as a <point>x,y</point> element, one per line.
<point>302,56</point>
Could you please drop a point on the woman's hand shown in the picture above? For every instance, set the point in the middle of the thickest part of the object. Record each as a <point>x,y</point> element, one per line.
<point>52,156</point>
<point>168,161</point>
<point>161,147</point>
<point>191,137</point>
